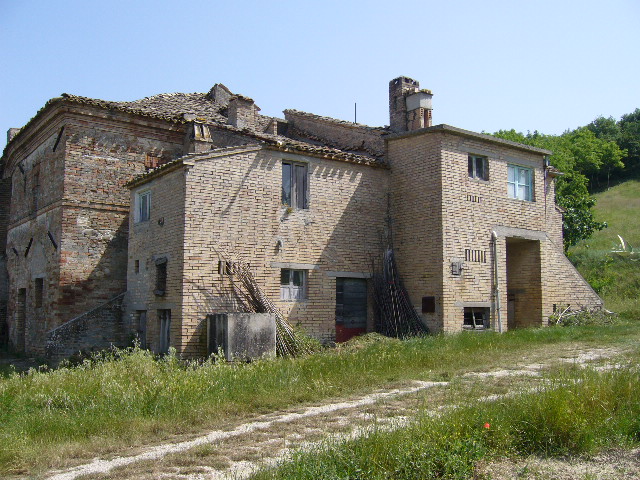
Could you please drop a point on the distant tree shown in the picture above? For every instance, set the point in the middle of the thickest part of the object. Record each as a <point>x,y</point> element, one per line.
<point>630,141</point>
<point>605,128</point>
<point>572,151</point>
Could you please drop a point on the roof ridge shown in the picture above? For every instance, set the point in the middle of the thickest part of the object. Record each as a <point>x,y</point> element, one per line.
<point>346,123</point>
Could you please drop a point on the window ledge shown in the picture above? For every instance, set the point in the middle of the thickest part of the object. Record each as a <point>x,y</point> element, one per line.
<point>479,180</point>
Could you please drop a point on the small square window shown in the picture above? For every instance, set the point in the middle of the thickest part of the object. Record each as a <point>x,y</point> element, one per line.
<point>142,207</point>
<point>478,167</point>
<point>293,284</point>
<point>294,185</point>
<point>476,319</point>
<point>520,182</point>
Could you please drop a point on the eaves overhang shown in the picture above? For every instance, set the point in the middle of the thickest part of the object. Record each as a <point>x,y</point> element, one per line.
<point>444,128</point>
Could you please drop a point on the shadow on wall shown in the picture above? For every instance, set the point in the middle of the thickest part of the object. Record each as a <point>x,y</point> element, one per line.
<point>342,232</point>
<point>106,250</point>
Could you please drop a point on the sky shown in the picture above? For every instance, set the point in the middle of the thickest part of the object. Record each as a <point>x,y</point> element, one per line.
<point>546,65</point>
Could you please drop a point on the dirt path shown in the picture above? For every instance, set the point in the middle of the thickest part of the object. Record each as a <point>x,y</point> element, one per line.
<point>266,440</point>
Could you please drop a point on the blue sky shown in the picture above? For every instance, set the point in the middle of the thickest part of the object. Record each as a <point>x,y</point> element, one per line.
<point>545,65</point>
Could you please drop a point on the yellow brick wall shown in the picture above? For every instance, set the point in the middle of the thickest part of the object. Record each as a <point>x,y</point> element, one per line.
<point>430,172</point>
<point>416,185</point>
<point>233,208</point>
<point>161,236</point>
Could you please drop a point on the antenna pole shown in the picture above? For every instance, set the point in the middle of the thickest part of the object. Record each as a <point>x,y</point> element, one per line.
<point>355,113</point>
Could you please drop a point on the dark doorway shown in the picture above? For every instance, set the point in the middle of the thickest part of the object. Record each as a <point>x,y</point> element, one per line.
<point>351,308</point>
<point>524,283</point>
<point>141,328</point>
<point>164,340</point>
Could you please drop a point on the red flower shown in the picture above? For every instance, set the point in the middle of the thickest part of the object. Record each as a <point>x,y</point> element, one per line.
<point>487,426</point>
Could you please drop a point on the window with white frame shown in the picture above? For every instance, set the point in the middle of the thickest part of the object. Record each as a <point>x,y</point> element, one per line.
<point>478,167</point>
<point>293,284</point>
<point>520,182</point>
<point>142,206</point>
<point>294,185</point>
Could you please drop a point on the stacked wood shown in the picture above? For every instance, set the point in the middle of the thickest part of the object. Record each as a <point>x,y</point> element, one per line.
<point>396,315</point>
<point>252,299</point>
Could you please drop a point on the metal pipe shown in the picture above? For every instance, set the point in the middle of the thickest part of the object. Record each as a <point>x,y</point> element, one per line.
<point>496,289</point>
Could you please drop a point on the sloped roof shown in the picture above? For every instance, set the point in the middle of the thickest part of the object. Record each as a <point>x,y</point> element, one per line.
<point>166,106</point>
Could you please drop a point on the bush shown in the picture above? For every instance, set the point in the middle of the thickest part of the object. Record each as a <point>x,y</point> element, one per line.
<point>569,318</point>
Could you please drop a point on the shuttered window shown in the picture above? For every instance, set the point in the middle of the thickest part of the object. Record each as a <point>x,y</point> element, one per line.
<point>294,185</point>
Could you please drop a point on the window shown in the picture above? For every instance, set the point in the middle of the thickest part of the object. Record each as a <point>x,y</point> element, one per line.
<point>161,277</point>
<point>520,183</point>
<point>293,284</point>
<point>476,319</point>
<point>39,292</point>
<point>142,207</point>
<point>478,167</point>
<point>294,185</point>
<point>164,325</point>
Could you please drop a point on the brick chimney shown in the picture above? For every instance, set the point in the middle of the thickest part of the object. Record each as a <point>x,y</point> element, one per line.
<point>242,112</point>
<point>409,107</point>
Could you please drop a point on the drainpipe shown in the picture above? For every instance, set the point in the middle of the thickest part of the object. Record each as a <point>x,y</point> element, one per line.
<point>496,290</point>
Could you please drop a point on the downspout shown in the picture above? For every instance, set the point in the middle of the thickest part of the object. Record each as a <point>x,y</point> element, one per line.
<point>496,289</point>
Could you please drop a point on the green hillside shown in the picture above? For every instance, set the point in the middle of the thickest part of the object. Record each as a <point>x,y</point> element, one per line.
<point>614,275</point>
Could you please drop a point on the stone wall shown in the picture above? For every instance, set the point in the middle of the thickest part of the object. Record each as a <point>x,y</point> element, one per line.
<point>98,329</point>
<point>5,202</point>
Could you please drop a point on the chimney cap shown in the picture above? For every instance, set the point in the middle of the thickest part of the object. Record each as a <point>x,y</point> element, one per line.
<point>420,99</point>
<point>405,79</point>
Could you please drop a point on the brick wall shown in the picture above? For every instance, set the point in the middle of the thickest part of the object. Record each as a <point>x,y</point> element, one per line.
<point>339,134</point>
<point>162,236</point>
<point>233,207</point>
<point>416,186</point>
<point>76,218</point>
<point>431,169</point>
<point>97,329</point>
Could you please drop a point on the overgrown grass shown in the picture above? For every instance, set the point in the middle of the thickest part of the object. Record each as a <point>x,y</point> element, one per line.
<point>615,276</point>
<point>573,414</point>
<point>49,417</point>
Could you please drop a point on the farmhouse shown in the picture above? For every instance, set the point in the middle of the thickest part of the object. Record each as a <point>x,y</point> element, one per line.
<point>128,219</point>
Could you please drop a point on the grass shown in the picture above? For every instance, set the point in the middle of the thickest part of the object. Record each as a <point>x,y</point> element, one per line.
<point>615,276</point>
<point>48,418</point>
<point>576,413</point>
